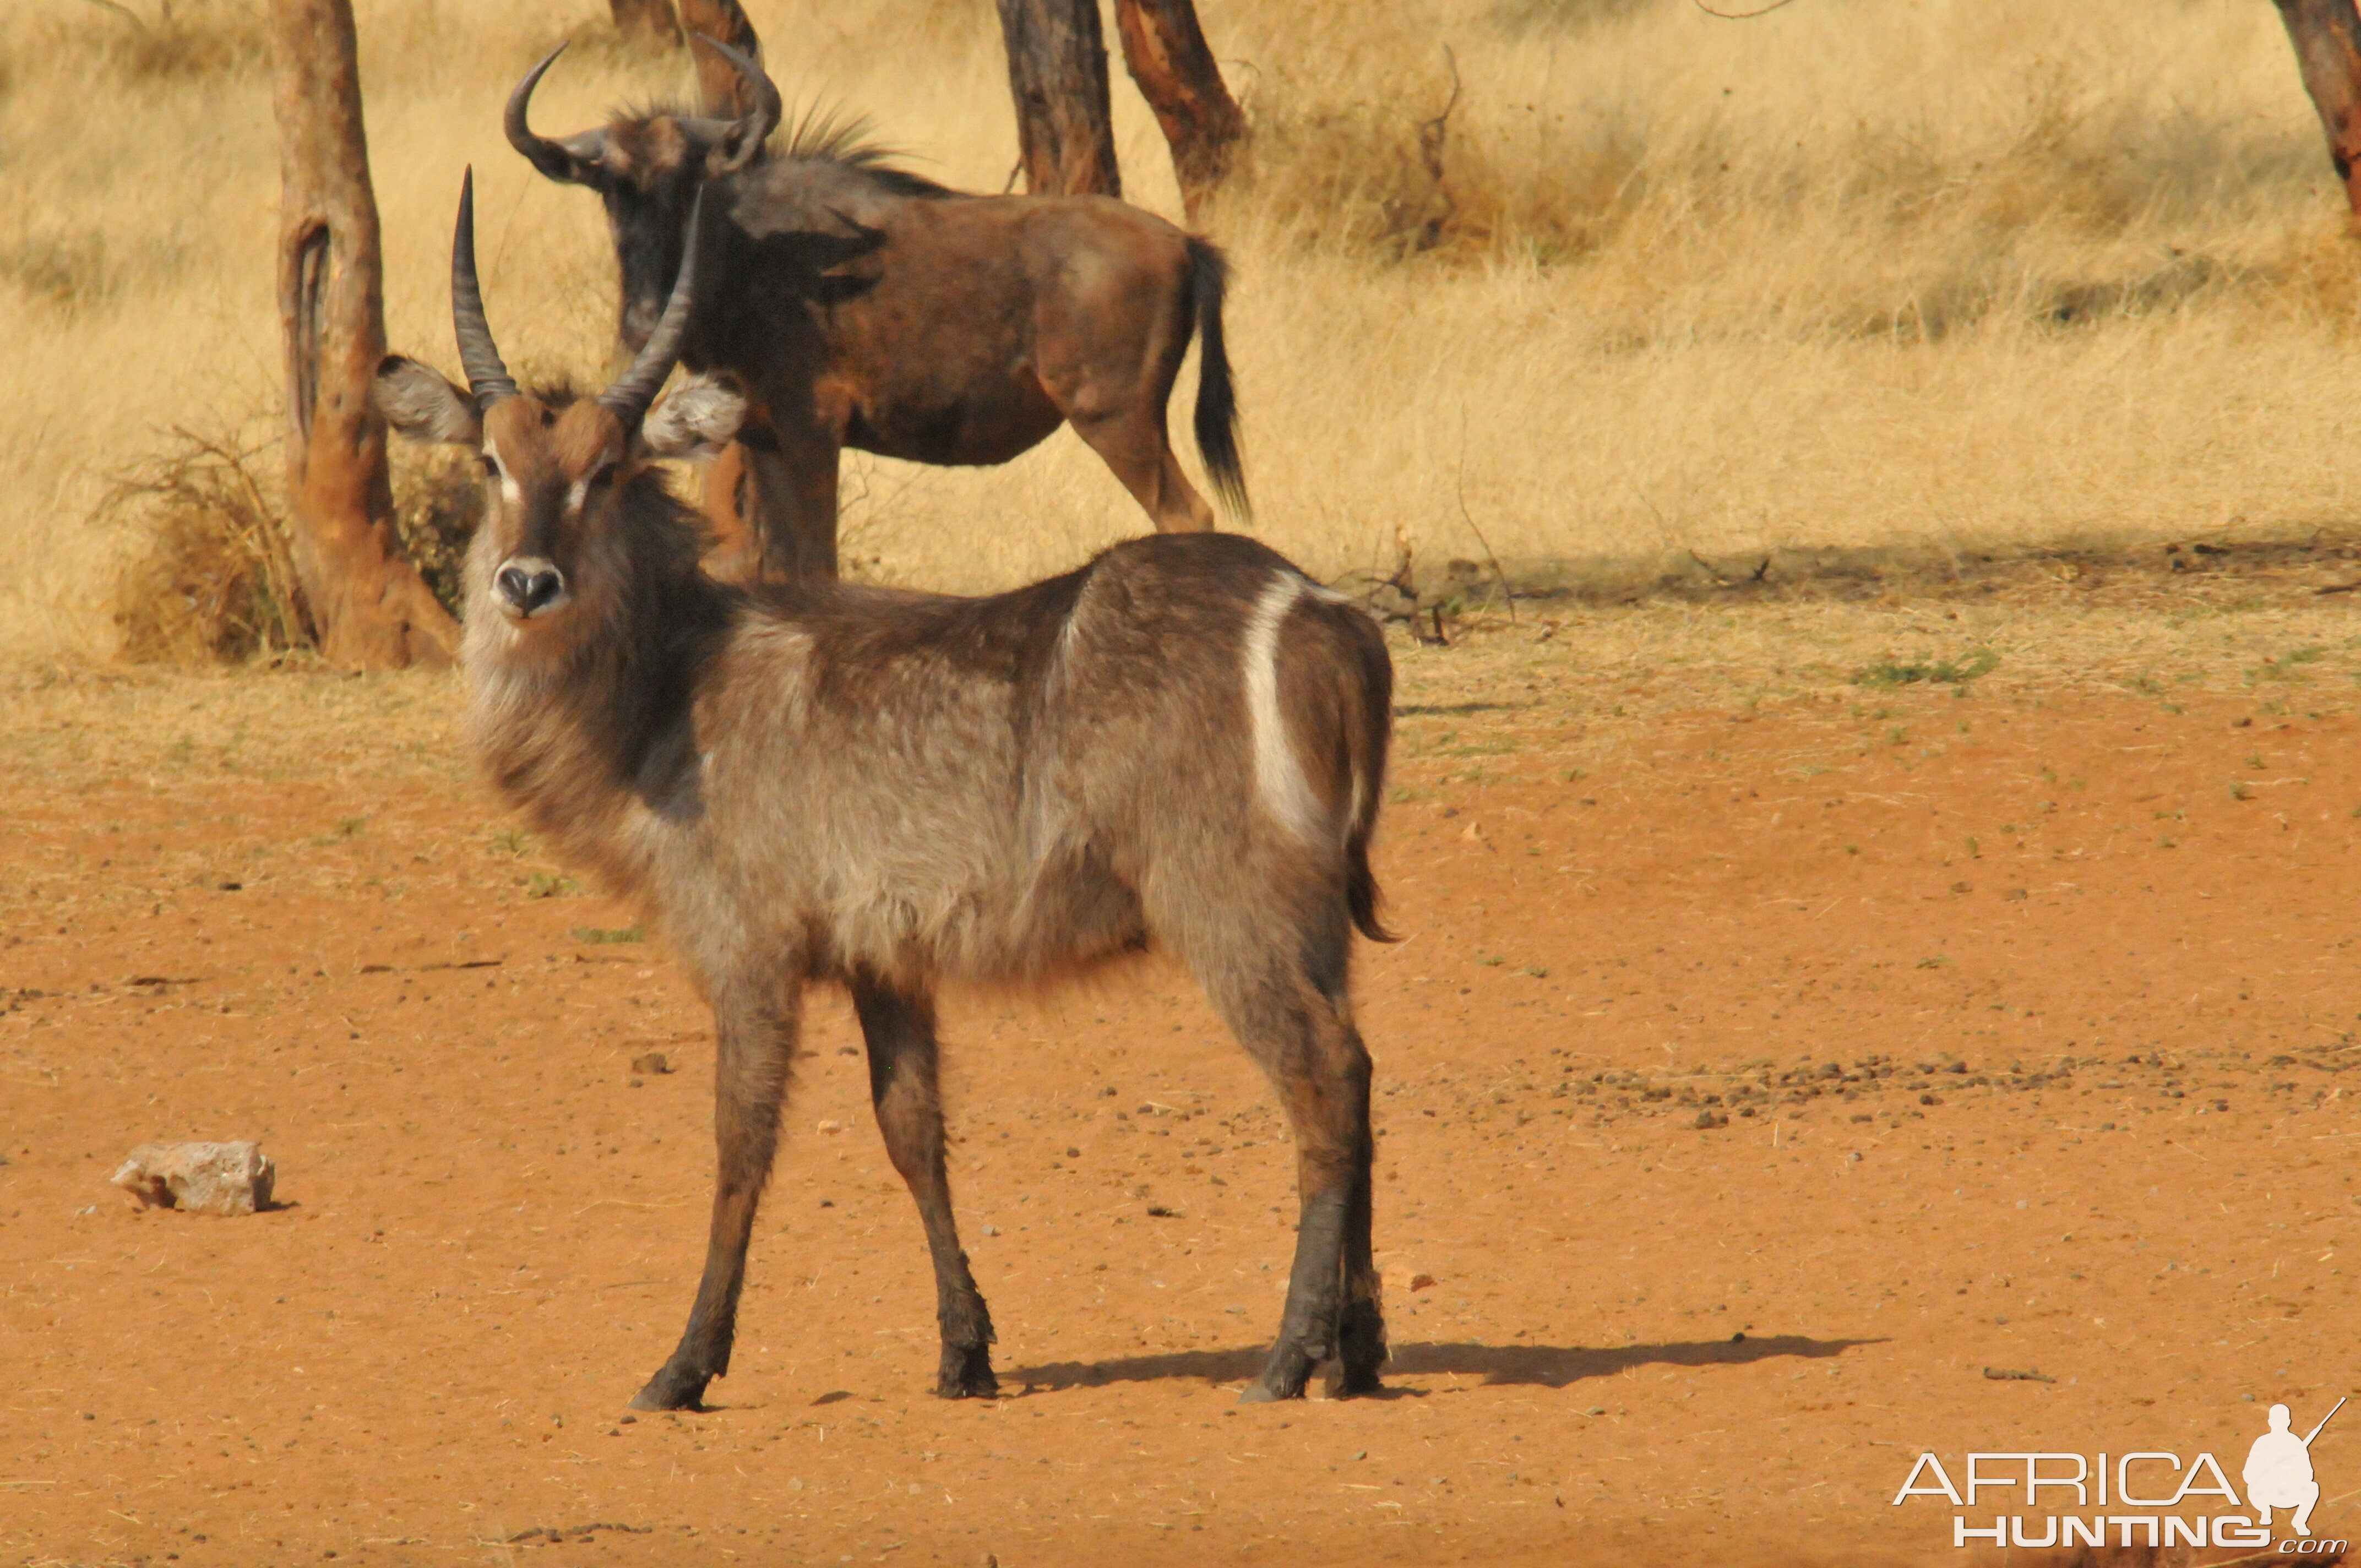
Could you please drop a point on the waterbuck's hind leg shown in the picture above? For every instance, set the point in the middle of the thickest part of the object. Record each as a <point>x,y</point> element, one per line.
<point>1299,1028</point>
<point>899,1028</point>
<point>1361,1328</point>
<point>755,1040</point>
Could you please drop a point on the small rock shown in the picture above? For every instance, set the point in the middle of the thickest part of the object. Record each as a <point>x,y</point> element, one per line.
<point>206,1178</point>
<point>828,1126</point>
<point>1708,1120</point>
<point>1421,1281</point>
<point>651,1063</point>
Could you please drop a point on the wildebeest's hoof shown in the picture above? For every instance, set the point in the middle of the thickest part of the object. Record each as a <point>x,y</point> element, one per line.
<point>1343,1382</point>
<point>673,1390</point>
<point>966,1373</point>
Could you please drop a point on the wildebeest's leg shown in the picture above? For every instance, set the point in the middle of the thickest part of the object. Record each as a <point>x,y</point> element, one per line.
<point>1299,1028</point>
<point>795,488</point>
<point>900,1032</point>
<point>755,1035</point>
<point>728,501</point>
<point>1136,446</point>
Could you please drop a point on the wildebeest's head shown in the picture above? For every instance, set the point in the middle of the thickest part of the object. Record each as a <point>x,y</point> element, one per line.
<point>647,168</point>
<point>568,491</point>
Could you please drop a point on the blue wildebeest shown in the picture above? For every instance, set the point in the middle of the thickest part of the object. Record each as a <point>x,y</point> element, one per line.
<point>859,305</point>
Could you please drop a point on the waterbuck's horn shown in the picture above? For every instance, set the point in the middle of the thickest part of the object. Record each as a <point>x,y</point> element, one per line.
<point>629,397</point>
<point>487,378</point>
<point>570,160</point>
<point>744,137</point>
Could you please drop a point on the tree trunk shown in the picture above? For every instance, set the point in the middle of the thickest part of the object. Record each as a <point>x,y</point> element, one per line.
<point>645,24</point>
<point>371,609</point>
<point>1058,74</point>
<point>1165,50</point>
<point>721,91</point>
<point>2327,38</point>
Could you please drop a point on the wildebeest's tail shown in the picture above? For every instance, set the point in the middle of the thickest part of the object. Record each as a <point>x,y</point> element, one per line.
<point>1368,729</point>
<point>1217,401</point>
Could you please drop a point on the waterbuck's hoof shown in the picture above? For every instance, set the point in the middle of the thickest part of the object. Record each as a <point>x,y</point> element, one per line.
<point>966,1373</point>
<point>1360,1352</point>
<point>1282,1378</point>
<point>673,1390</point>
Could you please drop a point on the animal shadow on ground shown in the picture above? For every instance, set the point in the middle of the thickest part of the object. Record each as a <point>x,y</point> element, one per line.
<point>1539,1365</point>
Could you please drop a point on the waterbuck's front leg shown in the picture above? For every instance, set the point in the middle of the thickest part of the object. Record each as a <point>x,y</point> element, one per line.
<point>900,1030</point>
<point>754,1041</point>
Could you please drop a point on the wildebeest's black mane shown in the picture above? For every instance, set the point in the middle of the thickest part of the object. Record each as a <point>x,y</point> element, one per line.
<point>824,133</point>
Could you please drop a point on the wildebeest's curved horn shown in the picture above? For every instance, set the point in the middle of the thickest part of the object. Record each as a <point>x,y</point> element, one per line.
<point>744,137</point>
<point>573,161</point>
<point>487,378</point>
<point>629,397</point>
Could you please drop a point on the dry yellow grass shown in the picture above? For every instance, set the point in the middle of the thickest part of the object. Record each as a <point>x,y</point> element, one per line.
<point>1962,272</point>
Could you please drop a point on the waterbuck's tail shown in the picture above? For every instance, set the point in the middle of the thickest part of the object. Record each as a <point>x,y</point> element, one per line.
<point>1217,401</point>
<point>1368,728</point>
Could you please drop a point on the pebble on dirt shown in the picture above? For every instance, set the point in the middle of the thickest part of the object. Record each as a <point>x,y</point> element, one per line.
<point>653,1063</point>
<point>204,1179</point>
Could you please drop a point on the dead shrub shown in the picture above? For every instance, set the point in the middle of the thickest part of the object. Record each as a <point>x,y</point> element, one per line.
<point>212,581</point>
<point>67,271</point>
<point>438,501</point>
<point>205,39</point>
<point>1356,175</point>
<point>1565,16</point>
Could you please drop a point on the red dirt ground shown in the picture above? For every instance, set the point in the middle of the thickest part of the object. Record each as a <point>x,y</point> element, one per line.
<point>2030,1028</point>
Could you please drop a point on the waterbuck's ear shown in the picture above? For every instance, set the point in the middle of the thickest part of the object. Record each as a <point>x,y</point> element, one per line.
<point>696,421</point>
<point>420,404</point>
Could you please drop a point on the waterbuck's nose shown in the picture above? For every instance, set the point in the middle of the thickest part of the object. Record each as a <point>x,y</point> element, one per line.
<point>529,585</point>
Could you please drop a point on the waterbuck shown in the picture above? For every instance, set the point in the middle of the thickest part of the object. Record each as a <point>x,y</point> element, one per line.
<point>861,305</point>
<point>1180,745</point>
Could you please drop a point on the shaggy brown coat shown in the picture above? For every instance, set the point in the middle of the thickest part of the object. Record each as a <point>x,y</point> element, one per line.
<point>1181,745</point>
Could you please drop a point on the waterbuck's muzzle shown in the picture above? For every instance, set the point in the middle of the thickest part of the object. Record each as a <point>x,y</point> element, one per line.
<point>528,585</point>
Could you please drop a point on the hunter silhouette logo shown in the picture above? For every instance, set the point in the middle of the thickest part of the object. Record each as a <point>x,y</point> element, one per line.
<point>2148,1497</point>
<point>2278,1471</point>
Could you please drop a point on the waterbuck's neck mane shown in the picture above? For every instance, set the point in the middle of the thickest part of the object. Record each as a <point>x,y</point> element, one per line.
<point>567,723</point>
